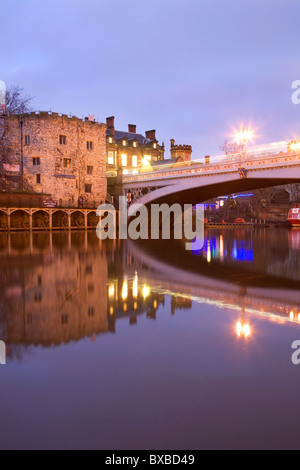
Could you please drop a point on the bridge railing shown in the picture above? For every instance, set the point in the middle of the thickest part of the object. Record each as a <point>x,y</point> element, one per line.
<point>241,158</point>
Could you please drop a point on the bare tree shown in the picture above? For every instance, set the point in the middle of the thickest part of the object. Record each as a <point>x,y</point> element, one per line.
<point>17,102</point>
<point>231,148</point>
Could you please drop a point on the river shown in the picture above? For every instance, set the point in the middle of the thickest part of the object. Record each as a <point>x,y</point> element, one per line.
<point>131,345</point>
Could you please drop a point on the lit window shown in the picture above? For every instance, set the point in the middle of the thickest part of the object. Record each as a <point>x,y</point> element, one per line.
<point>154,145</point>
<point>62,140</point>
<point>134,161</point>
<point>111,158</point>
<point>89,145</point>
<point>135,144</point>
<point>110,140</point>
<point>67,163</point>
<point>124,159</point>
<point>124,143</point>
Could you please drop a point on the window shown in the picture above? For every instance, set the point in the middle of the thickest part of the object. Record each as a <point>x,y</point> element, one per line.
<point>135,144</point>
<point>88,188</point>
<point>134,161</point>
<point>27,139</point>
<point>90,145</point>
<point>154,145</point>
<point>36,161</point>
<point>124,159</point>
<point>124,143</point>
<point>62,140</point>
<point>64,319</point>
<point>110,140</point>
<point>38,298</point>
<point>67,163</point>
<point>38,179</point>
<point>111,158</point>
<point>90,170</point>
<point>91,311</point>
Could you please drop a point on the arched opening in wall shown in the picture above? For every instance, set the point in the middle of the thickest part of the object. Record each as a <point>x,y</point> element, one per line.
<point>20,241</point>
<point>93,220</point>
<point>60,220</point>
<point>3,220</point>
<point>77,220</point>
<point>40,219</point>
<point>41,241</point>
<point>19,220</point>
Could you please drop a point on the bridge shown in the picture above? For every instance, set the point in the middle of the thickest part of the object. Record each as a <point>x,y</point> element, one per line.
<point>198,181</point>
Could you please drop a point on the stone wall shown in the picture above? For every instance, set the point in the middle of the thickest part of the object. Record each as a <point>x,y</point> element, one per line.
<point>56,157</point>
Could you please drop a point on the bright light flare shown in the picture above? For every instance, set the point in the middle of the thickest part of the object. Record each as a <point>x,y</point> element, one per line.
<point>146,292</point>
<point>243,330</point>
<point>125,290</point>
<point>243,136</point>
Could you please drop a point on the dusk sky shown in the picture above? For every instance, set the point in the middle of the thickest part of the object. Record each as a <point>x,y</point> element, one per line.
<point>191,69</point>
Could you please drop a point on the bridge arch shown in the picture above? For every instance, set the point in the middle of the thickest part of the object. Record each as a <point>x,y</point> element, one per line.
<point>198,188</point>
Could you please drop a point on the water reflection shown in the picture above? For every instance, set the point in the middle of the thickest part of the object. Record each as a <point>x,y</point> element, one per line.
<point>63,287</point>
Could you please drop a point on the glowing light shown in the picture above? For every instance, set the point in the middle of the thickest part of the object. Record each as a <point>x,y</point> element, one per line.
<point>135,306</point>
<point>125,290</point>
<point>135,287</point>
<point>221,248</point>
<point>125,172</point>
<point>292,316</point>
<point>125,308</point>
<point>243,329</point>
<point>146,161</point>
<point>111,311</point>
<point>146,292</point>
<point>208,256</point>
<point>155,304</point>
<point>244,135</point>
<point>111,291</point>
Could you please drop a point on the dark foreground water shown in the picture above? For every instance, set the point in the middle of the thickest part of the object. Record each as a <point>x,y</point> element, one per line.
<point>139,346</point>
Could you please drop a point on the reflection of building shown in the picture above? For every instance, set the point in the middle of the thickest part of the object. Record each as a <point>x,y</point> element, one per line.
<point>180,303</point>
<point>60,299</point>
<point>62,156</point>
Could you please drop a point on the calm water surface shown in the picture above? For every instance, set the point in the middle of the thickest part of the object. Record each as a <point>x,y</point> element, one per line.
<point>138,346</point>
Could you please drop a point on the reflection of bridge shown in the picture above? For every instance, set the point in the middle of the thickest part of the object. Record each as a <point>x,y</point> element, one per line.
<point>194,182</point>
<point>278,304</point>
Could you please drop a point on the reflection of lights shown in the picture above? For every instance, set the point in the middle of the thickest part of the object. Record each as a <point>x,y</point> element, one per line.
<point>208,257</point>
<point>135,289</point>
<point>111,291</point>
<point>111,311</point>
<point>221,248</point>
<point>146,292</point>
<point>292,316</point>
<point>222,203</point>
<point>135,306</point>
<point>125,290</point>
<point>243,329</point>
<point>155,304</point>
<point>125,308</point>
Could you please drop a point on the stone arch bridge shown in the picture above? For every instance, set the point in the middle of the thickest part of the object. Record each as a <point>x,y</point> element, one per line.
<point>196,182</point>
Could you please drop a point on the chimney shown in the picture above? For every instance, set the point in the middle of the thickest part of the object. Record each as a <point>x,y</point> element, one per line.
<point>151,135</point>
<point>172,143</point>
<point>110,124</point>
<point>132,128</point>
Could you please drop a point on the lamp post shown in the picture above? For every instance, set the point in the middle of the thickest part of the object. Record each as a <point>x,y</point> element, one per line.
<point>243,137</point>
<point>21,156</point>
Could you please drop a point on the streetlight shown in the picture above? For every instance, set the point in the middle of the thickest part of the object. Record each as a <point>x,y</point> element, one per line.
<point>243,136</point>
